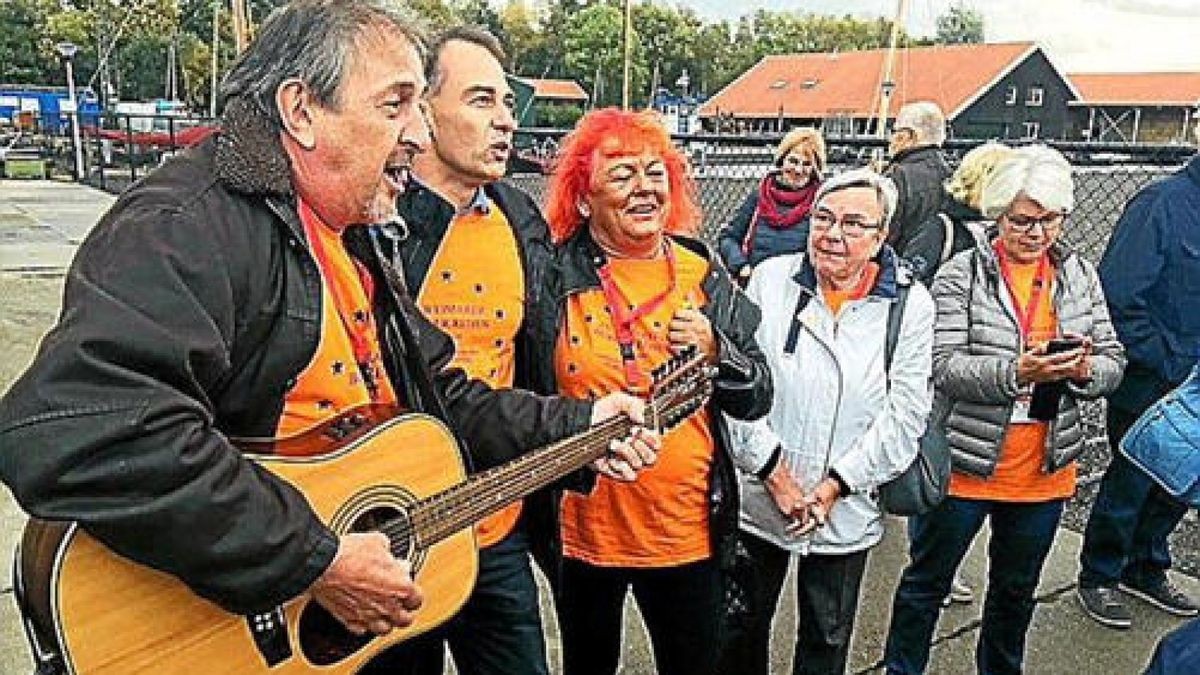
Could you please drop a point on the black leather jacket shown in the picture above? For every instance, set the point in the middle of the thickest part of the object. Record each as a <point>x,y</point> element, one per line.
<point>743,385</point>
<point>188,313</point>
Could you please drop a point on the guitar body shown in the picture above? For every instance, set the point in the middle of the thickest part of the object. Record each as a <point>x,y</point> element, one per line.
<point>106,614</point>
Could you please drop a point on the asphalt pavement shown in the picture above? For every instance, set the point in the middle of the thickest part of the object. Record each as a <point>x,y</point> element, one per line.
<point>41,223</point>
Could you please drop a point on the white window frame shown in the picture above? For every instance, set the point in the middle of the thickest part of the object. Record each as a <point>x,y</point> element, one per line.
<point>1011,98</point>
<point>1037,96</point>
<point>1032,129</point>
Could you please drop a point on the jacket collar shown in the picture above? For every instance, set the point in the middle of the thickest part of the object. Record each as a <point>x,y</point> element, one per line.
<point>250,157</point>
<point>893,273</point>
<point>924,153</point>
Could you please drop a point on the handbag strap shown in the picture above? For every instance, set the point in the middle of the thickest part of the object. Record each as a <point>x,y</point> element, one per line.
<point>895,317</point>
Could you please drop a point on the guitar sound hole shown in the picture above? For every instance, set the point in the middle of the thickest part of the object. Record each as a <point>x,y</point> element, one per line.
<point>323,639</point>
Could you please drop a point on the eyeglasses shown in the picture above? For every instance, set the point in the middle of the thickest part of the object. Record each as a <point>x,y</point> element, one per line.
<point>1023,224</point>
<point>851,226</point>
<point>795,161</point>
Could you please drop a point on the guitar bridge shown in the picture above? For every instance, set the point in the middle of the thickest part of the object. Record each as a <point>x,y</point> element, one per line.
<point>269,631</point>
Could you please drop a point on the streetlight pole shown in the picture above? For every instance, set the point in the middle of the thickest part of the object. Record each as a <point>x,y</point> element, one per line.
<point>628,54</point>
<point>888,85</point>
<point>67,51</point>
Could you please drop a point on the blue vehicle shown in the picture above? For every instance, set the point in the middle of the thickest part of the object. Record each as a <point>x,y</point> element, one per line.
<point>41,107</point>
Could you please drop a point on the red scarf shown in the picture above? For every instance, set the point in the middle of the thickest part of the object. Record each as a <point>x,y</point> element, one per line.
<point>782,208</point>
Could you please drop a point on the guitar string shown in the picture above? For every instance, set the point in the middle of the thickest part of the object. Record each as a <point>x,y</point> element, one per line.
<point>433,516</point>
<point>436,515</point>
<point>500,488</point>
<point>427,513</point>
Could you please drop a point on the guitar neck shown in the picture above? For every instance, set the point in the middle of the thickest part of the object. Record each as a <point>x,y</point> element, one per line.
<point>461,506</point>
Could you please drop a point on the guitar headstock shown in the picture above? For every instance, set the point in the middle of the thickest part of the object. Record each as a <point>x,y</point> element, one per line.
<point>680,386</point>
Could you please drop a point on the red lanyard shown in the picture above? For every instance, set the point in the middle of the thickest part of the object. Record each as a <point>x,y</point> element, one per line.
<point>360,323</point>
<point>625,315</point>
<point>1027,314</point>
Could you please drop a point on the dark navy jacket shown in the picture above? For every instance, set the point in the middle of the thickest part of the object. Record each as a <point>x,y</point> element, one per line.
<point>1151,278</point>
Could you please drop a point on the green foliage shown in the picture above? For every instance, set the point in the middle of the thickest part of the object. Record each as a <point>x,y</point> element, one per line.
<point>960,24</point>
<point>575,39</point>
<point>555,116</point>
<point>23,55</point>
<point>594,55</point>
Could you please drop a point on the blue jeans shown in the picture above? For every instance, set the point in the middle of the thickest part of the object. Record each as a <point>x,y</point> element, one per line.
<point>1021,539</point>
<point>498,631</point>
<point>1177,651</point>
<point>1126,535</point>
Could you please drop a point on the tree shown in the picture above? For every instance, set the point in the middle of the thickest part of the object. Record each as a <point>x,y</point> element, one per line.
<point>594,55</point>
<point>667,40</point>
<point>521,38</point>
<point>478,13</point>
<point>23,55</point>
<point>961,24</point>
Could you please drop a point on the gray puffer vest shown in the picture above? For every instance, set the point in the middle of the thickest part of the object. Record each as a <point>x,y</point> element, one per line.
<point>976,344</point>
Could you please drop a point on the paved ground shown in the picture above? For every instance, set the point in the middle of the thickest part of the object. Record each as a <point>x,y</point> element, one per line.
<point>41,222</point>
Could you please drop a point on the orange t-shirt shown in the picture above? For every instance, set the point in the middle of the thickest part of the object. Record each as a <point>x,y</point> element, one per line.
<point>661,519</point>
<point>1020,470</point>
<point>475,291</point>
<point>836,298</point>
<point>333,382</point>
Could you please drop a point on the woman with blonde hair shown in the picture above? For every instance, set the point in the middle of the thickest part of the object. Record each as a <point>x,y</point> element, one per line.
<point>958,223</point>
<point>774,218</point>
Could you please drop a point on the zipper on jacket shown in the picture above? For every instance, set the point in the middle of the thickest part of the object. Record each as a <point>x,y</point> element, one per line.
<point>806,542</point>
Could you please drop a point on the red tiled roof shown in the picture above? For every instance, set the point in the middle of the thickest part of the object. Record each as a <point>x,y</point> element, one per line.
<point>1165,89</point>
<point>560,89</point>
<point>848,83</point>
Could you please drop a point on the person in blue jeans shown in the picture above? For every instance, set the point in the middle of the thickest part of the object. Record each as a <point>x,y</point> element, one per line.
<point>1000,306</point>
<point>1151,274</point>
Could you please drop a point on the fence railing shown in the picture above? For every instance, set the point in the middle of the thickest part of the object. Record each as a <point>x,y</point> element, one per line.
<point>120,149</point>
<point>727,169</point>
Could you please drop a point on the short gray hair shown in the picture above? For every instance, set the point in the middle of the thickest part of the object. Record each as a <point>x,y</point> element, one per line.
<point>885,190</point>
<point>925,119</point>
<point>1034,171</point>
<point>312,41</point>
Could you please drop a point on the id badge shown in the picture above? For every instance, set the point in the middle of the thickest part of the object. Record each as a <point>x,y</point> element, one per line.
<point>1020,412</point>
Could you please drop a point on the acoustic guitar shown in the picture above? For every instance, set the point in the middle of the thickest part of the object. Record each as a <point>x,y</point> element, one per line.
<point>371,469</point>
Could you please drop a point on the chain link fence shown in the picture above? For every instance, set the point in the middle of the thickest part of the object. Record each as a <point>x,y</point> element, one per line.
<point>120,149</point>
<point>727,169</point>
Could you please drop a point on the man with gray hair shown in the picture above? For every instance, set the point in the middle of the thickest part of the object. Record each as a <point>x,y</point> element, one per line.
<point>234,293</point>
<point>918,167</point>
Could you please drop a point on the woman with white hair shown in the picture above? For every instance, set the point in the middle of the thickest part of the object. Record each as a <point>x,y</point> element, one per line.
<point>1022,335</point>
<point>842,421</point>
<point>774,218</point>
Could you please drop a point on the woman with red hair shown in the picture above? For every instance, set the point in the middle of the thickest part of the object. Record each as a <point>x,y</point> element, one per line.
<point>629,289</point>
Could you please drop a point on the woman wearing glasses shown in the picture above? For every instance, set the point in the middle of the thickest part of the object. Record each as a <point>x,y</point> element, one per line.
<point>774,218</point>
<point>841,422</point>
<point>1022,335</point>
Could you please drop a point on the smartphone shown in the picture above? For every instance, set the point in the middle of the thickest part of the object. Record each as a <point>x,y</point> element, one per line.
<point>1063,344</point>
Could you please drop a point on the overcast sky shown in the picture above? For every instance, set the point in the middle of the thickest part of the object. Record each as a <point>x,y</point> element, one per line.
<point>1079,35</point>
